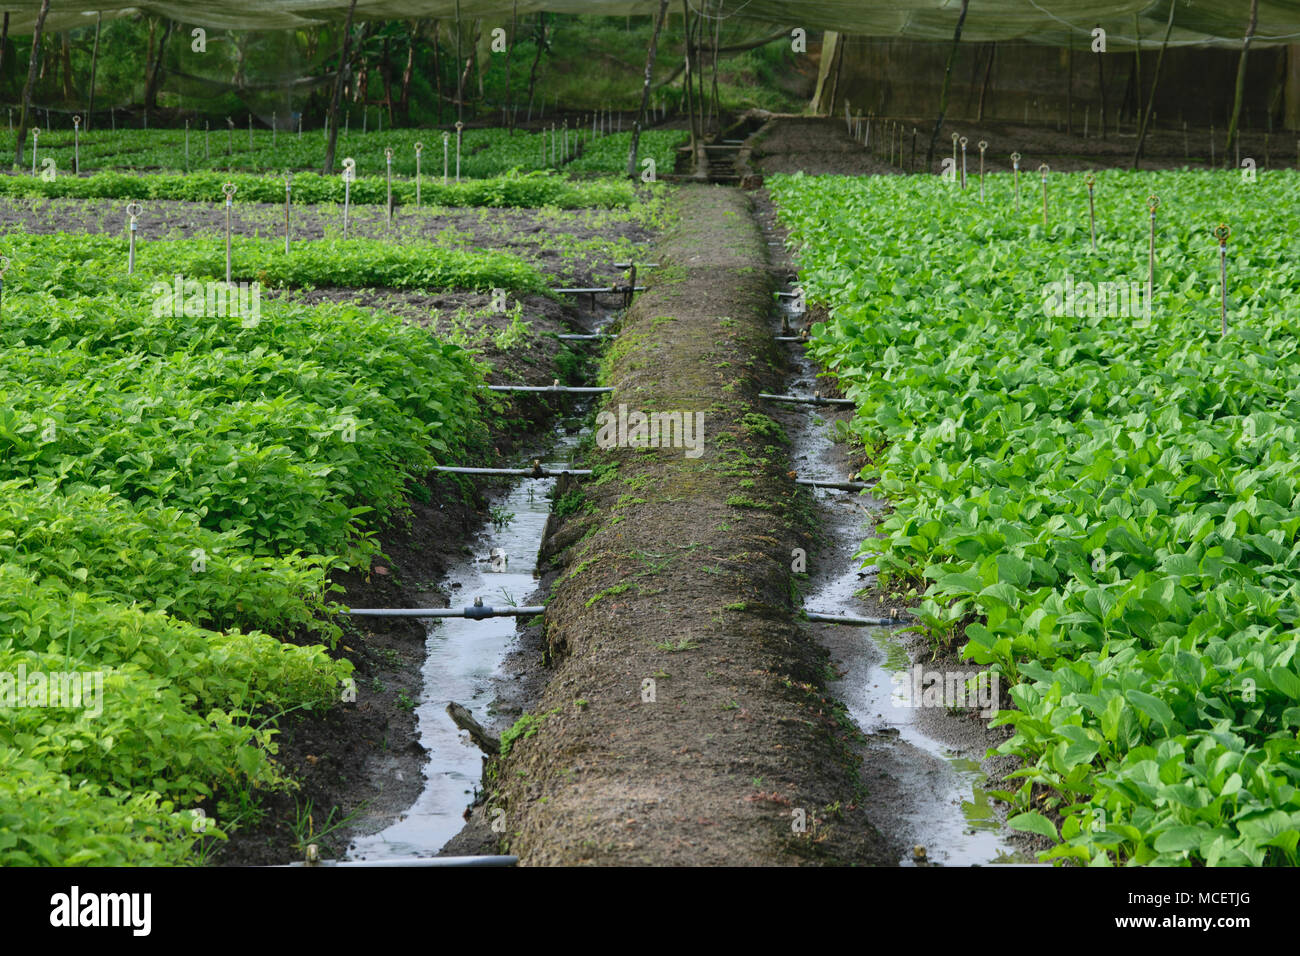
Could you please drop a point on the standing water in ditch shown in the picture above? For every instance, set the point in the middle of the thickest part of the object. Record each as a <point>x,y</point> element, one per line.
<point>922,767</point>
<point>464,656</point>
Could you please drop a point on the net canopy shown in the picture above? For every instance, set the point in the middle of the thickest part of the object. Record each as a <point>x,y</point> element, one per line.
<point>1127,23</point>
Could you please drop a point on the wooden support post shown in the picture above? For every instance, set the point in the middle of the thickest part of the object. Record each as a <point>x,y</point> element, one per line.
<point>947,84</point>
<point>1151,100</point>
<point>1241,78</point>
<point>328,168</point>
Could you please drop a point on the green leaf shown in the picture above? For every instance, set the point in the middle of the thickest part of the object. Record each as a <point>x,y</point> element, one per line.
<point>1033,822</point>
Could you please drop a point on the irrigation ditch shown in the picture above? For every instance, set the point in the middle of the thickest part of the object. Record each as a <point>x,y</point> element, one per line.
<point>362,767</point>
<point>685,698</point>
<point>670,708</point>
<point>924,770</point>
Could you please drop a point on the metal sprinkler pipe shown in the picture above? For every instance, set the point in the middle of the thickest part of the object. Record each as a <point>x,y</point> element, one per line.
<point>1043,170</point>
<point>476,612</point>
<point>419,148</point>
<point>459,127</point>
<point>288,180</point>
<point>388,160</point>
<point>1222,232</point>
<point>1153,203</point>
<point>228,189</point>
<point>349,174</point>
<point>1090,182</point>
<point>133,211</point>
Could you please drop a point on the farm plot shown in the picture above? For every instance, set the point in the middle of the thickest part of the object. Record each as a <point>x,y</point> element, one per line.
<point>577,246</point>
<point>188,493</point>
<point>1097,503</point>
<point>484,153</point>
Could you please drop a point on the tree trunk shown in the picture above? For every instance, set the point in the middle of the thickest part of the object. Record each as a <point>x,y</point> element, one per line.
<point>385,69</point>
<point>1137,68</point>
<point>1101,88</point>
<point>4,42</point>
<point>645,90</point>
<point>460,74</point>
<point>837,56</point>
<point>717,44</point>
<point>1241,79</point>
<point>988,75</point>
<point>437,66</point>
<point>1151,100</point>
<point>31,80</point>
<point>327,169</point>
<point>537,58</point>
<point>67,67</point>
<point>947,83</point>
<point>148,55</point>
<point>94,64</point>
<point>510,55</point>
<point>151,86</point>
<point>696,146</point>
<point>699,73</point>
<point>1069,90</point>
<point>409,69</point>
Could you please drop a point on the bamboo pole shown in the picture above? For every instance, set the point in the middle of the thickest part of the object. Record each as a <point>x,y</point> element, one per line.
<point>651,52</point>
<point>1241,78</point>
<point>1155,79</point>
<point>21,138</point>
<point>947,84</point>
<point>328,168</point>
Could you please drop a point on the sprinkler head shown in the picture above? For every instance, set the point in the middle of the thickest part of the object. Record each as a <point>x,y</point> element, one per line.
<point>1221,232</point>
<point>229,190</point>
<point>76,121</point>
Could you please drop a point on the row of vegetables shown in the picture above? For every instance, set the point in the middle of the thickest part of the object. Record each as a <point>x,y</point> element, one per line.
<point>1099,505</point>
